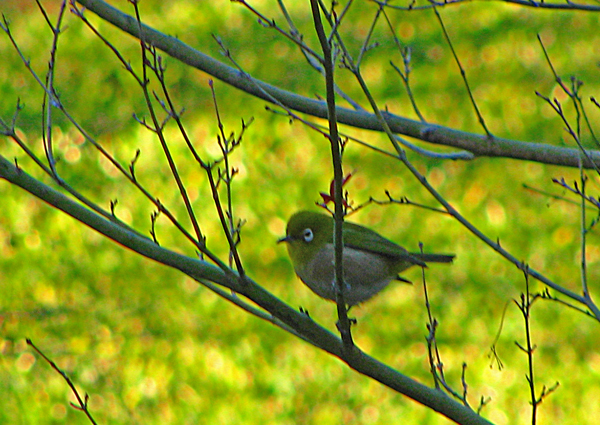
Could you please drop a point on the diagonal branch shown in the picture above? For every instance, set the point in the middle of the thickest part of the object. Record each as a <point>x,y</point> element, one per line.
<point>281,314</point>
<point>479,145</point>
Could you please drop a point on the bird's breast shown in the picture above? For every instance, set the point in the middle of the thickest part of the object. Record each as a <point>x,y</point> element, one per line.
<point>365,274</point>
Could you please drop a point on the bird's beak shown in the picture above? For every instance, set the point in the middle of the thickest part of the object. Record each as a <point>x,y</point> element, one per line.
<point>284,239</point>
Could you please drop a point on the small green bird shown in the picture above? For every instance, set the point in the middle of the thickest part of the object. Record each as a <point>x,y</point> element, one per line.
<point>370,261</point>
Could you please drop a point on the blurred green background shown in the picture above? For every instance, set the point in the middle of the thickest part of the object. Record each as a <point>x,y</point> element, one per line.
<point>151,346</point>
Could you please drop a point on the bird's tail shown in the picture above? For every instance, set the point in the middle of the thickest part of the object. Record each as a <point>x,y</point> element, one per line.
<point>434,258</point>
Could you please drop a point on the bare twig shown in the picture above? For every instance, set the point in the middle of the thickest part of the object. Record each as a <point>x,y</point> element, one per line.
<point>525,305</point>
<point>150,61</point>
<point>584,230</point>
<point>573,94</point>
<point>199,240</point>
<point>398,201</point>
<point>227,145</point>
<point>50,100</point>
<point>463,74</point>
<point>82,403</point>
<point>493,348</point>
<point>436,366</point>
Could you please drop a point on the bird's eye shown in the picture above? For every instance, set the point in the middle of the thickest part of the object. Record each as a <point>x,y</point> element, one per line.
<point>307,234</point>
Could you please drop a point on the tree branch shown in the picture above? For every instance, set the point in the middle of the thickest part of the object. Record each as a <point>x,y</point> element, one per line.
<point>283,315</point>
<point>479,145</point>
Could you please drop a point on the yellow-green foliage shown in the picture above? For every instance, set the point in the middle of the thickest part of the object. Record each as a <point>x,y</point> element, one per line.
<point>151,346</point>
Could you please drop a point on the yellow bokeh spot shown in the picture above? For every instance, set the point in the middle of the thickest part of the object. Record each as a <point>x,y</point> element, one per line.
<point>436,177</point>
<point>32,240</point>
<point>474,195</point>
<point>406,30</point>
<point>369,415</point>
<point>592,253</point>
<point>24,362</point>
<point>268,254</point>
<point>496,213</point>
<point>489,53</point>
<point>562,236</point>
<point>59,411</point>
<point>276,226</point>
<point>79,344</point>
<point>73,154</point>
<point>45,295</point>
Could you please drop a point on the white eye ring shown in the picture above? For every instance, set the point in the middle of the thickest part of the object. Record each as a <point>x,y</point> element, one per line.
<point>307,234</point>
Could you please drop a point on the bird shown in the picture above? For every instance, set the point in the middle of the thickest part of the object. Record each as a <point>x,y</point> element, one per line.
<point>370,261</point>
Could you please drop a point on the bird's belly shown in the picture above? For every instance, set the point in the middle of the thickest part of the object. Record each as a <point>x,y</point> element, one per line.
<point>365,274</point>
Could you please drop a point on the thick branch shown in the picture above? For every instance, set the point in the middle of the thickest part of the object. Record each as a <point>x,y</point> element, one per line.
<point>479,145</point>
<point>201,270</point>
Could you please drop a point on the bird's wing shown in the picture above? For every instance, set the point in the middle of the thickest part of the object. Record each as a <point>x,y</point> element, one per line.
<point>363,238</point>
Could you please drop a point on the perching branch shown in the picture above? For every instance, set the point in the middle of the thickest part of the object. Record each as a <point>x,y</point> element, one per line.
<point>336,157</point>
<point>279,313</point>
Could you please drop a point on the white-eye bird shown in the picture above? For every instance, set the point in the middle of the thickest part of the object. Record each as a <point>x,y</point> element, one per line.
<point>370,261</point>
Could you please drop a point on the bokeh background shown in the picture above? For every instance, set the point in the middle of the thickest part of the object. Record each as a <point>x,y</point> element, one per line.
<point>151,346</point>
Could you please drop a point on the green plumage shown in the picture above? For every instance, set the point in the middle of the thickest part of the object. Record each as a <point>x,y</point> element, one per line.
<point>370,261</point>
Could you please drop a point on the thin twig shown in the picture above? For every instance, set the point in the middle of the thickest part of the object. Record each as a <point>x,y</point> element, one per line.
<point>270,23</point>
<point>555,196</point>
<point>83,403</point>
<point>436,366</point>
<point>48,102</point>
<point>573,94</point>
<point>154,65</point>
<point>525,305</point>
<point>354,66</point>
<point>227,145</point>
<point>584,282</point>
<point>405,52</point>
<point>493,347</point>
<point>463,74</point>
